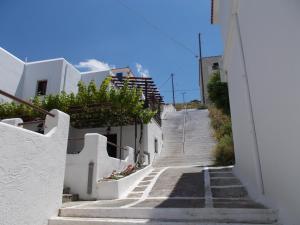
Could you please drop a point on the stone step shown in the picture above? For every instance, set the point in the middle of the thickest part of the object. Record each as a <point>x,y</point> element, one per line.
<point>125,221</point>
<point>70,197</point>
<point>217,215</point>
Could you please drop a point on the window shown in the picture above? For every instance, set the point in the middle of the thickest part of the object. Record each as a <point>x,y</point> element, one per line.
<point>119,76</point>
<point>41,87</point>
<point>215,66</point>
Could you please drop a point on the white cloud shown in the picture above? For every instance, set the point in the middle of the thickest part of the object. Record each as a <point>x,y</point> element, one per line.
<point>94,64</point>
<point>142,71</point>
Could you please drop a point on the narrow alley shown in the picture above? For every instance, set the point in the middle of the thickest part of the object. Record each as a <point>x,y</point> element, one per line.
<point>181,188</point>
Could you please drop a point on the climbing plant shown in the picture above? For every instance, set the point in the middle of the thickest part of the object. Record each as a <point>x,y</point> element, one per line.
<point>92,106</point>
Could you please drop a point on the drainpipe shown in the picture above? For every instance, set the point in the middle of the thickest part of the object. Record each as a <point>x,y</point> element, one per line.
<point>65,77</point>
<point>256,152</point>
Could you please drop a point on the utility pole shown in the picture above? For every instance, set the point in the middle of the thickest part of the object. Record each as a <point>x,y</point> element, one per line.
<point>172,76</point>
<point>201,69</point>
<point>183,93</point>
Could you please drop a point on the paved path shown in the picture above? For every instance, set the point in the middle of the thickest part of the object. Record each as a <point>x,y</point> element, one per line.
<point>180,189</point>
<point>186,142</point>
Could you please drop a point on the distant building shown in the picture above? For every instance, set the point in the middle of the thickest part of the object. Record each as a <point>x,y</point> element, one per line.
<point>210,65</point>
<point>122,72</point>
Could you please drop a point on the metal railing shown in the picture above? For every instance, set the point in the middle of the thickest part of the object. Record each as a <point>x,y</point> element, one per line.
<point>43,111</point>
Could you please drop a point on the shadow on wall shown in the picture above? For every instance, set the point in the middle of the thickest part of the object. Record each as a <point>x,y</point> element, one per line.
<point>82,179</point>
<point>32,169</point>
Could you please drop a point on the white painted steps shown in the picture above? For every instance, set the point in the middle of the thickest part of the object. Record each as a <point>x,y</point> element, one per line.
<point>110,221</point>
<point>161,215</point>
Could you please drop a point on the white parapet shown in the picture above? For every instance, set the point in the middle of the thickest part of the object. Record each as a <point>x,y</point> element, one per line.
<point>32,171</point>
<point>116,189</point>
<point>85,169</point>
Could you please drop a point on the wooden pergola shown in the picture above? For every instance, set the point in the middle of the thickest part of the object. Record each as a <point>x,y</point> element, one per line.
<point>147,85</point>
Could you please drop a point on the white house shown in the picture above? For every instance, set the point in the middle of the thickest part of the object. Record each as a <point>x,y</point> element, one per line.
<point>261,65</point>
<point>28,79</point>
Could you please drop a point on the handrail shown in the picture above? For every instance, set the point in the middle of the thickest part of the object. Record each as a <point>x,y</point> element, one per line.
<point>26,103</point>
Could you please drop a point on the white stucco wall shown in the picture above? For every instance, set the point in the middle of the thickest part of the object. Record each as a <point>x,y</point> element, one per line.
<point>50,70</point>
<point>11,71</point>
<point>127,137</point>
<point>270,37</point>
<point>32,171</point>
<point>153,131</point>
<point>97,76</point>
<point>77,166</point>
<point>70,78</point>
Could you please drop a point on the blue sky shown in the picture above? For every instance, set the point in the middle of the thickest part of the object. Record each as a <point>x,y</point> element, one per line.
<point>160,36</point>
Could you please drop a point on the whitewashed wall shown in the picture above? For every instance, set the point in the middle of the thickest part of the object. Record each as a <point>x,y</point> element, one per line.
<point>153,131</point>
<point>50,70</point>
<point>11,72</point>
<point>270,38</point>
<point>70,78</point>
<point>127,137</point>
<point>97,76</point>
<point>77,166</point>
<point>32,169</point>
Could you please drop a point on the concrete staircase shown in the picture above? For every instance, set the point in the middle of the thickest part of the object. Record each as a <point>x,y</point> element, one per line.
<point>179,191</point>
<point>225,202</point>
<point>187,139</point>
<point>118,216</point>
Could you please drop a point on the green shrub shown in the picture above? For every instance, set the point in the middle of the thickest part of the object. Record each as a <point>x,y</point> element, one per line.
<point>224,151</point>
<point>218,93</point>
<point>220,122</point>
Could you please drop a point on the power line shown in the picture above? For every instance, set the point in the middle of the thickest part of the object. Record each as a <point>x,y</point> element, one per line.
<point>164,83</point>
<point>158,29</point>
<point>180,90</point>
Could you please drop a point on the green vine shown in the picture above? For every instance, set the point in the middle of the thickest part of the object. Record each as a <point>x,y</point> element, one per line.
<point>92,106</point>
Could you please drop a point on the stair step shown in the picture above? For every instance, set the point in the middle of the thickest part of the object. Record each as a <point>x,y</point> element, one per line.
<point>124,221</point>
<point>70,197</point>
<point>220,215</point>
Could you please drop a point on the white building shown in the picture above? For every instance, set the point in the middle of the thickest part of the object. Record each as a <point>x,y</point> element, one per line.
<point>28,79</point>
<point>261,64</point>
<point>210,65</point>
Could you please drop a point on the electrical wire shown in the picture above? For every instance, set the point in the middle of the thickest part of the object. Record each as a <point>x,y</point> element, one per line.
<point>158,29</point>
<point>164,83</point>
<point>182,90</point>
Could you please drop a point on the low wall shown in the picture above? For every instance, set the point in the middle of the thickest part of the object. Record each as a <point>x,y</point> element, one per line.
<point>116,189</point>
<point>32,169</point>
<point>152,132</point>
<point>166,109</point>
<point>94,154</point>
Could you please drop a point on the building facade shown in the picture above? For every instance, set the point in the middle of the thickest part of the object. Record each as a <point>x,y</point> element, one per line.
<point>261,64</point>
<point>29,79</point>
<point>210,65</point>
